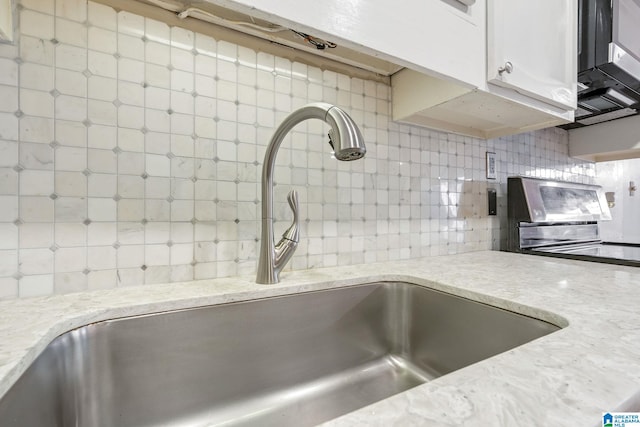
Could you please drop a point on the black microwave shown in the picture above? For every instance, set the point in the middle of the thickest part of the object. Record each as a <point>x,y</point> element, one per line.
<point>608,61</point>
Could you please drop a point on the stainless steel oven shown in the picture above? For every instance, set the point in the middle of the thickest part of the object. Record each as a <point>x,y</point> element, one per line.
<point>556,218</point>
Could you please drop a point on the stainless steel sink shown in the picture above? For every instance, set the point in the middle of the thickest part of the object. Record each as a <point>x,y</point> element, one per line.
<point>292,360</point>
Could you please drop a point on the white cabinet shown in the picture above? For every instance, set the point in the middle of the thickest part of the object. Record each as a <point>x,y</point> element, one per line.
<point>428,101</point>
<point>531,48</point>
<point>483,68</point>
<point>444,38</point>
<point>530,79</point>
<point>6,20</point>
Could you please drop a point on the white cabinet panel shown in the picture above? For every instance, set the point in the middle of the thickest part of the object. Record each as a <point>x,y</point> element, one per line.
<point>6,20</point>
<point>531,48</point>
<point>444,38</point>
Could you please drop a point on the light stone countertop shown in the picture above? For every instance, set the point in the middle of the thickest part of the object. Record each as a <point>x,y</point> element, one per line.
<point>566,378</point>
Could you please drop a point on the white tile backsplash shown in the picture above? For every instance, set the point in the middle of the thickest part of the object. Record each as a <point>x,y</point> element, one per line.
<point>131,151</point>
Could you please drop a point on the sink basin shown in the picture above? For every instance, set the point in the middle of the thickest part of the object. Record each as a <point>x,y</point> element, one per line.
<point>292,360</point>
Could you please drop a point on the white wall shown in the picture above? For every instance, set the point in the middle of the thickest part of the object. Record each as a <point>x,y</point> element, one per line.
<point>130,153</point>
<point>615,176</point>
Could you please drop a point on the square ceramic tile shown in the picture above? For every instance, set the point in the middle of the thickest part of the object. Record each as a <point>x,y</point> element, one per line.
<point>71,83</point>
<point>157,75</point>
<point>182,210</point>
<point>157,165</point>
<point>131,47</point>
<point>36,156</point>
<point>182,167</point>
<point>182,146</point>
<point>102,88</point>
<point>37,285</point>
<point>70,235</point>
<point>8,236</point>
<point>157,121</point>
<point>157,98</point>
<point>104,161</point>
<point>72,9</point>
<point>47,8</point>
<point>36,183</point>
<point>102,209</point>
<point>8,288</point>
<point>157,31</point>
<point>9,96</point>
<point>130,139</point>
<point>182,38</point>
<point>101,257</point>
<point>8,126</point>
<point>70,209</point>
<point>133,25</point>
<point>102,185</point>
<point>8,182</point>
<point>37,24</point>
<point>157,233</point>
<point>205,127</point>
<point>131,164</point>
<point>67,57</point>
<point>157,210</point>
<point>70,32</point>
<point>102,64</point>
<point>182,81</point>
<point>100,136</point>
<point>182,59</point>
<point>72,159</point>
<point>182,102</point>
<point>158,143</point>
<point>70,108</point>
<point>182,124</point>
<point>102,279</point>
<point>70,184</point>
<point>131,117</point>
<point>103,40</point>
<point>32,76</point>
<point>102,234</point>
<point>181,254</point>
<point>70,282</point>
<point>36,261</point>
<point>157,187</point>
<point>182,189</point>
<point>36,50</point>
<point>70,259</point>
<point>102,16</point>
<point>130,256</point>
<point>130,233</point>
<point>130,210</point>
<point>131,70</point>
<point>205,65</point>
<point>36,103</point>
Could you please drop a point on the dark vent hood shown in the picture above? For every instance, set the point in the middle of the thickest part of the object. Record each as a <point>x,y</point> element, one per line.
<point>608,61</point>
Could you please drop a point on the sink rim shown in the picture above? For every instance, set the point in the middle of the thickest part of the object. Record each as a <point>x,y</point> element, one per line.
<point>34,345</point>
<point>385,284</point>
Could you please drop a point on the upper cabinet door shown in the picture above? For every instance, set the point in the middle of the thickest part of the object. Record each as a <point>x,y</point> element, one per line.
<point>532,48</point>
<point>444,38</point>
<point>6,20</point>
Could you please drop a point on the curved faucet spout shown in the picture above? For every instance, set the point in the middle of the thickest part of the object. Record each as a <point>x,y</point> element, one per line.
<point>347,142</point>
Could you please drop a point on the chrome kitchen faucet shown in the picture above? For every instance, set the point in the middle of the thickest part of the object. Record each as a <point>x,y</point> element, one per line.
<point>347,143</point>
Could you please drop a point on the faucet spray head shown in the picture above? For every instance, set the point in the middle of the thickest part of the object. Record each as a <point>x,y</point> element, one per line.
<point>345,137</point>
<point>348,153</point>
